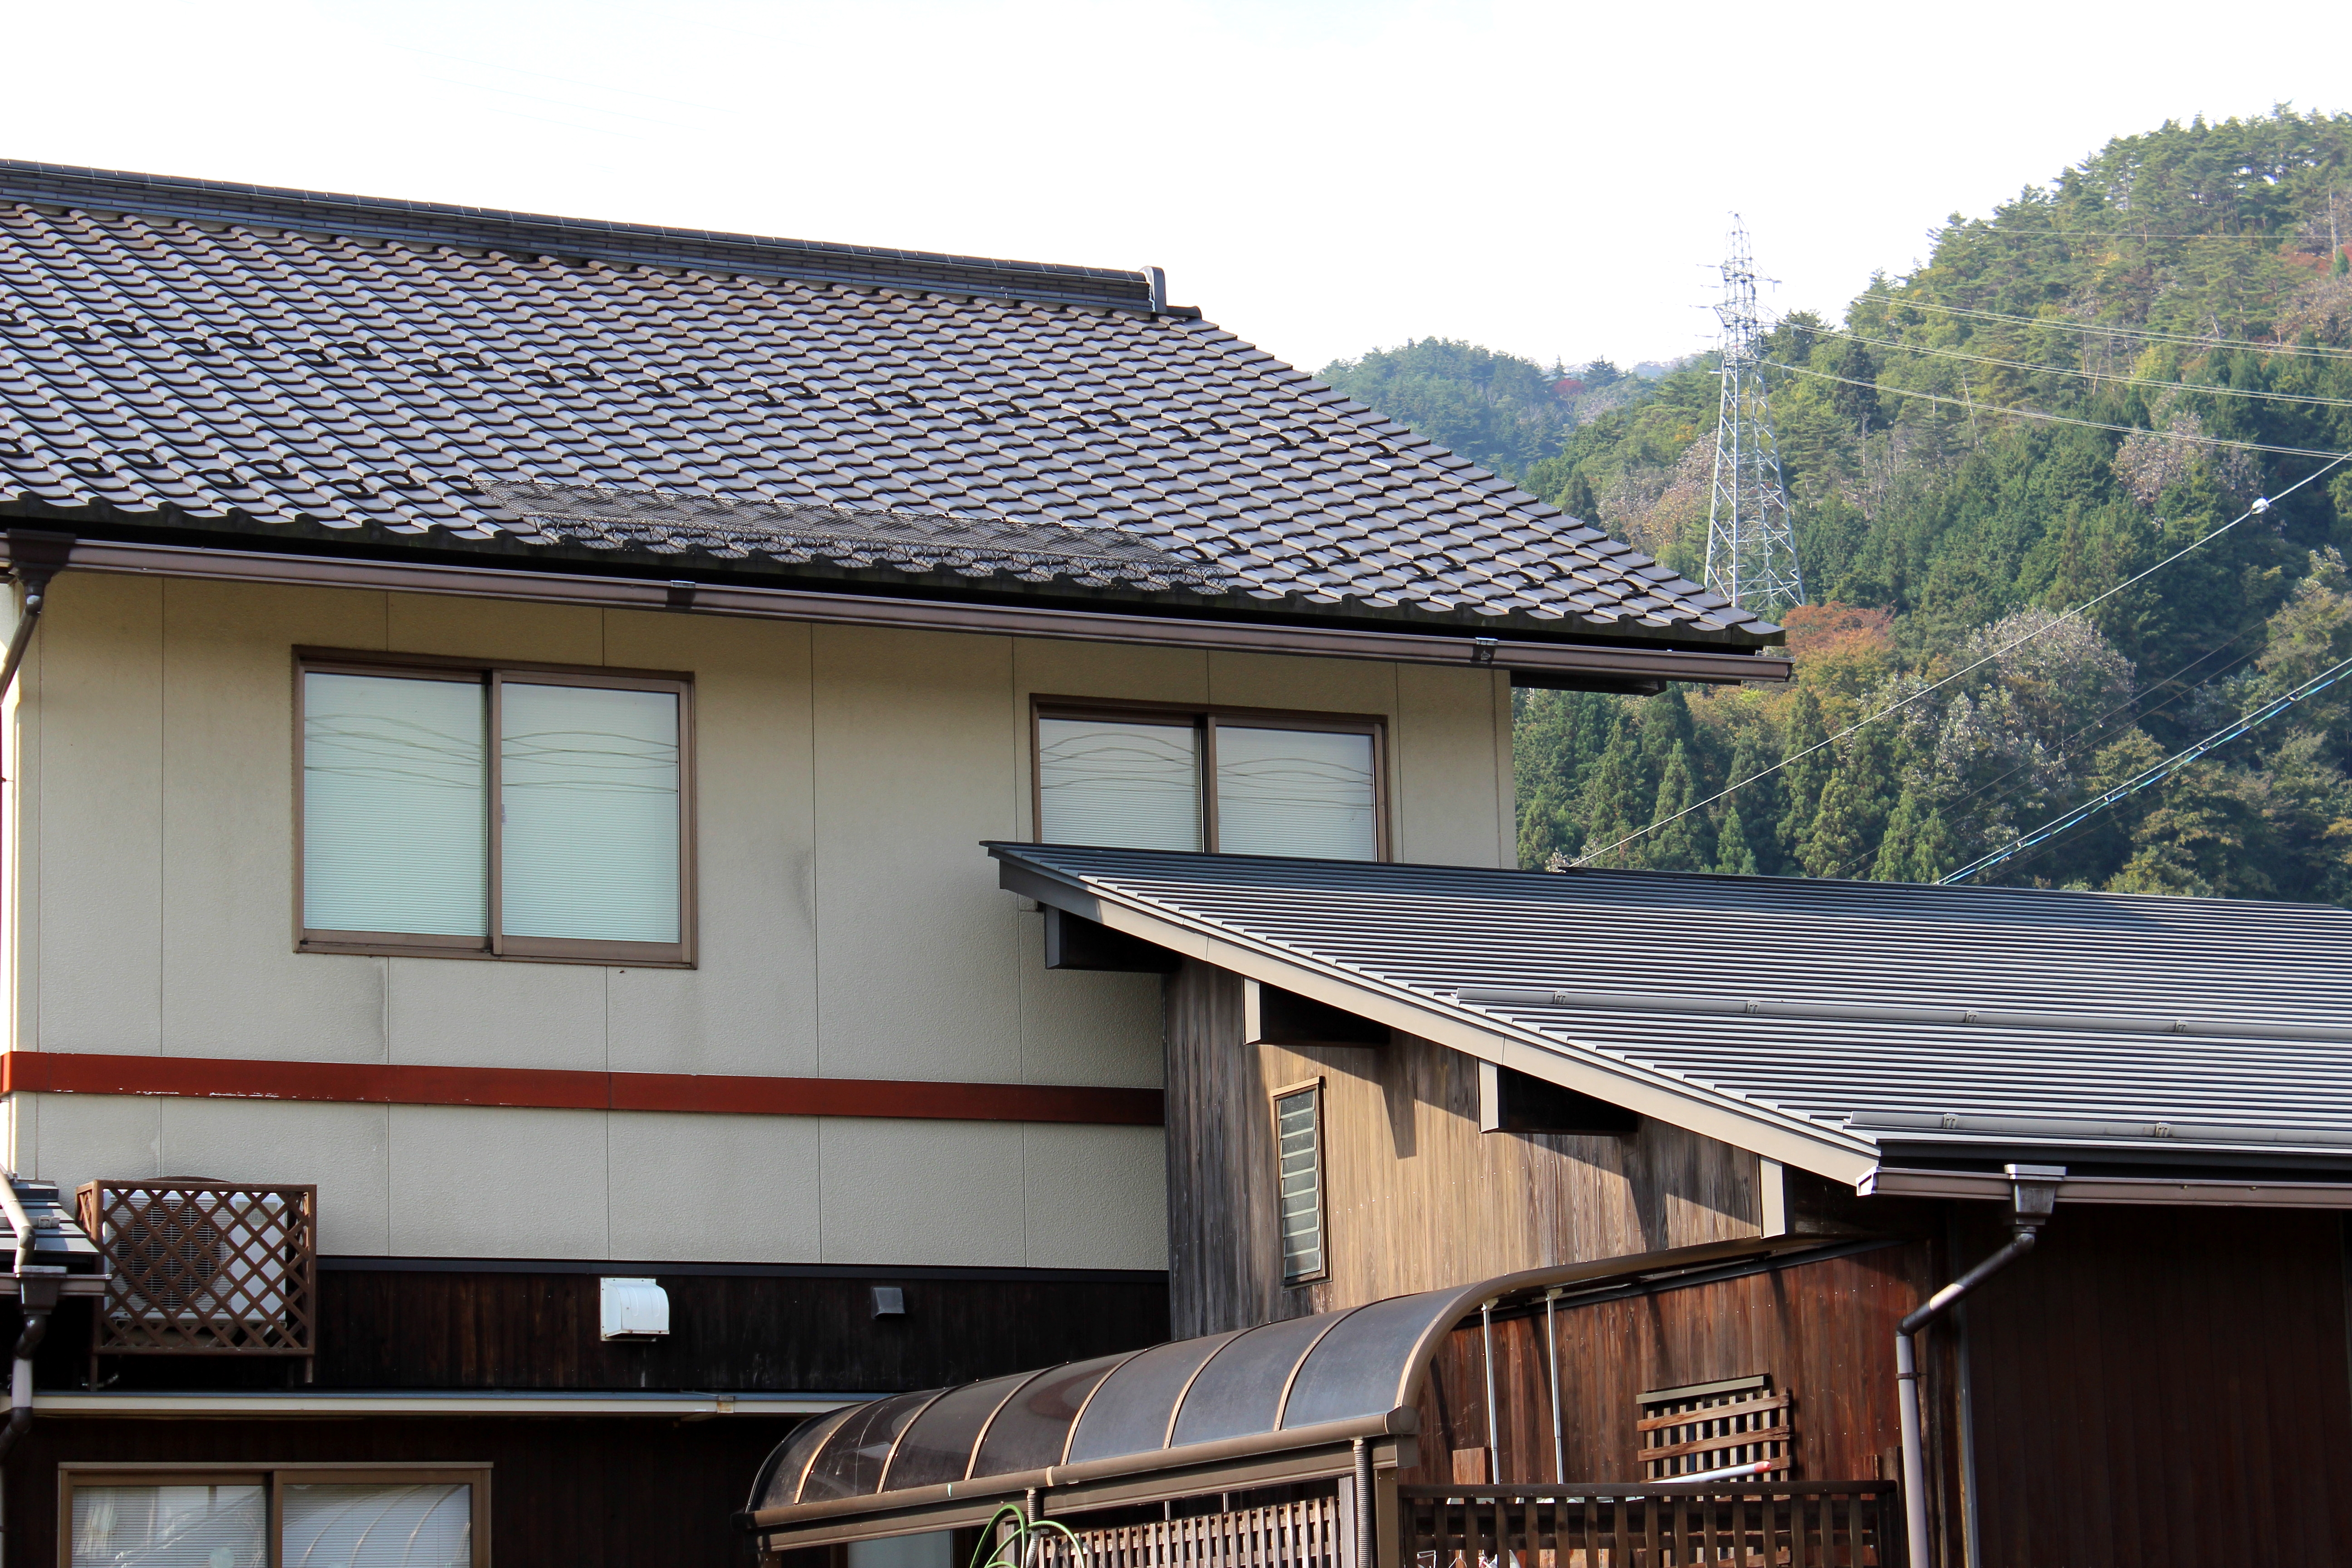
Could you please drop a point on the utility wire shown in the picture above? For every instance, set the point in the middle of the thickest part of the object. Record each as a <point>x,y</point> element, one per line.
<point>2098,329</point>
<point>2260,506</point>
<point>2060,418</point>
<point>2157,772</point>
<point>2083,374</point>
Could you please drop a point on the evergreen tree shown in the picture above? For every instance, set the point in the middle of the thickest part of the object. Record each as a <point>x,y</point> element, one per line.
<point>1855,806</point>
<point>1734,856</point>
<point>1621,798</point>
<point>1805,777</point>
<point>1679,843</point>
<point>1575,498</point>
<point>1918,847</point>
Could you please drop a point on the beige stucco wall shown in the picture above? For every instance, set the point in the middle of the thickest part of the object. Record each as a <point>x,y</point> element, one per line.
<point>848,927</point>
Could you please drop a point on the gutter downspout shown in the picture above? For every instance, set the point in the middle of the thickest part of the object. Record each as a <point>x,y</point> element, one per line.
<point>34,557</point>
<point>37,1289</point>
<point>2034,1195</point>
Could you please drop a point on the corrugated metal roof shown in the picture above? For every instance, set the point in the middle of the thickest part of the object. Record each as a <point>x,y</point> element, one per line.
<point>1884,1015</point>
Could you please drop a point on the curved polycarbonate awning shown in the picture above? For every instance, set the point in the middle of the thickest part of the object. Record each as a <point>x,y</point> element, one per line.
<point>1303,1384</point>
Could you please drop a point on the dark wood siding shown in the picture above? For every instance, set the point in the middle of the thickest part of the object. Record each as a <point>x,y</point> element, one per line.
<point>1416,1196</point>
<point>575,1493</point>
<point>2162,1387</point>
<point>1823,1330</point>
<point>384,1328</point>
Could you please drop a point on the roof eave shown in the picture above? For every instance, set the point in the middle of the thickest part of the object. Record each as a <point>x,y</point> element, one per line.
<point>1839,1155</point>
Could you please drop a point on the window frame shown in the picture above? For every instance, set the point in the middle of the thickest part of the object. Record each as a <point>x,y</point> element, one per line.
<point>492,676</point>
<point>1205,718</point>
<point>1312,1087</point>
<point>272,1479</point>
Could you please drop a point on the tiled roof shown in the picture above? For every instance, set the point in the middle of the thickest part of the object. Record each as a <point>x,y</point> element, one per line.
<point>266,362</point>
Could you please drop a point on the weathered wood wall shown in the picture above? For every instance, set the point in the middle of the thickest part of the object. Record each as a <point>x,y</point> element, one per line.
<point>759,1329</point>
<point>1416,1196</point>
<point>2162,1387</point>
<point>1823,1330</point>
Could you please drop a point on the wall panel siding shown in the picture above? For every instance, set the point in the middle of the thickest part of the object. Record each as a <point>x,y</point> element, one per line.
<point>1417,1197</point>
<point>1444,742</point>
<point>2163,1387</point>
<point>1823,1330</point>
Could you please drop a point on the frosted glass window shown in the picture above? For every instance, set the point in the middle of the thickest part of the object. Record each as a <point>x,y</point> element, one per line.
<point>377,1525</point>
<point>394,806</point>
<point>1296,792</point>
<point>1131,786</point>
<point>1298,1139</point>
<point>170,1527</point>
<point>589,786</point>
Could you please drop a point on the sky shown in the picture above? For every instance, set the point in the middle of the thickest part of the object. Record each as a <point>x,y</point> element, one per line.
<point>1553,179</point>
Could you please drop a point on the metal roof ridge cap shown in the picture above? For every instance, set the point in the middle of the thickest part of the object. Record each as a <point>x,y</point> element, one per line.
<point>1865,1012</point>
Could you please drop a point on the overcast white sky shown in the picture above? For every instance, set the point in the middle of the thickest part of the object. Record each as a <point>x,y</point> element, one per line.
<point>1549,179</point>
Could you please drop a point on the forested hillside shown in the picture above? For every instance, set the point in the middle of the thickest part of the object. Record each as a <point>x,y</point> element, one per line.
<point>2178,307</point>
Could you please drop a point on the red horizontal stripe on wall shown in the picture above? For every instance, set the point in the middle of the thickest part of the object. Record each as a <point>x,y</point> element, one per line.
<point>238,1077</point>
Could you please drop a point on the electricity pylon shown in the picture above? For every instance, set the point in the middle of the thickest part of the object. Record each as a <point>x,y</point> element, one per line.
<point>1752,543</point>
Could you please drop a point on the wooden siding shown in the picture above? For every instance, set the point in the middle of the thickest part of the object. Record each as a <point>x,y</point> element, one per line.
<point>564,1493</point>
<point>770,1332</point>
<point>1825,1331</point>
<point>1416,1196</point>
<point>2162,1387</point>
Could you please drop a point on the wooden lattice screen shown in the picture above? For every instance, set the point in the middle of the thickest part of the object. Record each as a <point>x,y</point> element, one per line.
<point>205,1267</point>
<point>1716,1426</point>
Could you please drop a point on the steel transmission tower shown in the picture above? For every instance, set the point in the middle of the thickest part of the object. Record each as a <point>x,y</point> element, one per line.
<point>1751,543</point>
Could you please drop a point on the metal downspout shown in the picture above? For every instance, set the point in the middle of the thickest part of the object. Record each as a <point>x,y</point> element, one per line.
<point>34,557</point>
<point>2033,1193</point>
<point>1368,1524</point>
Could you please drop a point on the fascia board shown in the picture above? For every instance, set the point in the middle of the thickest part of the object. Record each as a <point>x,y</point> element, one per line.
<point>1726,1117</point>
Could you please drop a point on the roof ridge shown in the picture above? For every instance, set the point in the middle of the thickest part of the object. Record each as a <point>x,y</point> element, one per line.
<point>382,217</point>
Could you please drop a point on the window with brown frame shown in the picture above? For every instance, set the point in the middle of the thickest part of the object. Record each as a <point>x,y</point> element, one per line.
<point>1227,781</point>
<point>1299,1182</point>
<point>459,809</point>
<point>356,1516</point>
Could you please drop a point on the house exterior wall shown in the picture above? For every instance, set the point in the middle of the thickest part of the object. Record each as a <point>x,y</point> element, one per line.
<point>1416,1197</point>
<point>848,928</point>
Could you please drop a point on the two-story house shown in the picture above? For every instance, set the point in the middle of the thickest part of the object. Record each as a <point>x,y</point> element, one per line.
<point>501,722</point>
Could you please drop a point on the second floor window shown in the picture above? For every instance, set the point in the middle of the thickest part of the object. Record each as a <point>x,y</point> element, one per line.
<point>1234,783</point>
<point>457,810</point>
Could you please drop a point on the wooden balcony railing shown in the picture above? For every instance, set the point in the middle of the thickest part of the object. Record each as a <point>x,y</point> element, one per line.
<point>1608,1524</point>
<point>1302,1534</point>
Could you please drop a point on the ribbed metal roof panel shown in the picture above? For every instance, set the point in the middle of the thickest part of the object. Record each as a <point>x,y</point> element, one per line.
<point>2187,1009</point>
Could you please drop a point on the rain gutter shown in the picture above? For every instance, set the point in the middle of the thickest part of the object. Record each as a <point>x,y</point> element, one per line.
<point>1535,660</point>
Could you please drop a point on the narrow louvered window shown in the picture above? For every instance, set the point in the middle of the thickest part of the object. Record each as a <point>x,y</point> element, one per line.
<point>483,812</point>
<point>1128,787</point>
<point>1298,1146</point>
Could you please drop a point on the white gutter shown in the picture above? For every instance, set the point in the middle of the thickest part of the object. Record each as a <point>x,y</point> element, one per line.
<point>1886,1181</point>
<point>425,1401</point>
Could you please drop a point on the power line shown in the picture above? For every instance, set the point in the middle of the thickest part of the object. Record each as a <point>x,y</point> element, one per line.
<point>2260,506</point>
<point>2147,333</point>
<point>2060,418</point>
<point>2083,374</point>
<point>2157,772</point>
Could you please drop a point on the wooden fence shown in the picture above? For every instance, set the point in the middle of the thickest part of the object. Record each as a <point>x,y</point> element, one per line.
<point>1603,1524</point>
<point>1285,1535</point>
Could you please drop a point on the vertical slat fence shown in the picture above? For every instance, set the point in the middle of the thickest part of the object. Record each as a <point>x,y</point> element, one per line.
<point>1607,1525</point>
<point>1303,1534</point>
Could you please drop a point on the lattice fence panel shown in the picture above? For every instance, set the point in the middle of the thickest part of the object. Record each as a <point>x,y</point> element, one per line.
<point>205,1267</point>
<point>1716,1426</point>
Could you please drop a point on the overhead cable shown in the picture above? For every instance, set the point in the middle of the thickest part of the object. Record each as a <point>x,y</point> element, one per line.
<point>2156,773</point>
<point>2150,335</point>
<point>2083,374</point>
<point>2262,505</point>
<point>1974,407</point>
